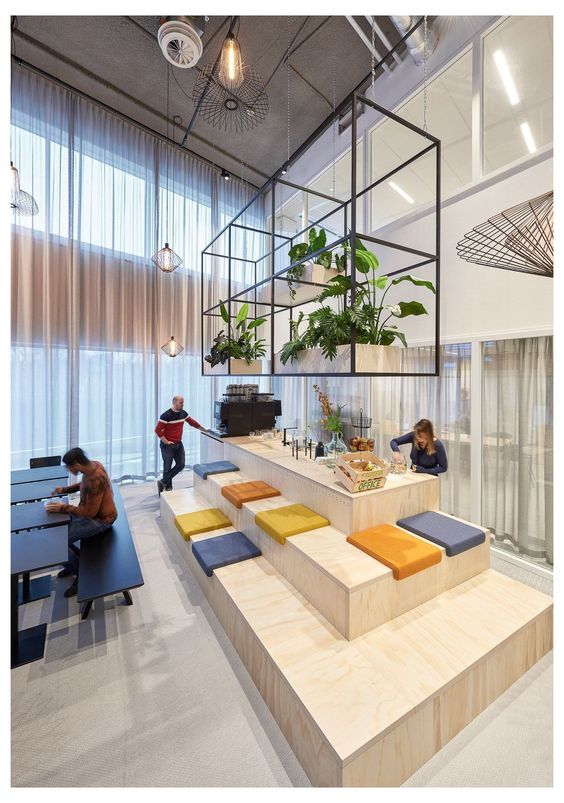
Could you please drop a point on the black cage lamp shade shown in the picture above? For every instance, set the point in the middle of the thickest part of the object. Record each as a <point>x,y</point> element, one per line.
<point>520,238</point>
<point>172,348</point>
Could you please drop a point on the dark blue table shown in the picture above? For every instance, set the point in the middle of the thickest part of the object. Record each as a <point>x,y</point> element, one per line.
<point>32,551</point>
<point>39,474</point>
<point>33,516</point>
<point>34,491</point>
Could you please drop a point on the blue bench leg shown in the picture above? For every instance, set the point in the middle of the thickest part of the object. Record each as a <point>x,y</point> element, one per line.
<point>86,610</point>
<point>128,600</point>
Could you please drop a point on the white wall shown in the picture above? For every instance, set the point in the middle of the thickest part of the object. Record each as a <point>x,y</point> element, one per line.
<point>479,301</point>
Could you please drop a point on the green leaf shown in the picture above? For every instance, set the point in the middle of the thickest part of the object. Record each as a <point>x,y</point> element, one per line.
<point>312,237</point>
<point>256,322</point>
<point>413,280</point>
<point>410,308</point>
<point>297,251</point>
<point>223,312</point>
<point>379,282</point>
<point>242,315</point>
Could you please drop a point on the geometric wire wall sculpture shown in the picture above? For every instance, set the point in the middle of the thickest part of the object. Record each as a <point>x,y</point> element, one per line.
<point>520,239</point>
<point>232,109</point>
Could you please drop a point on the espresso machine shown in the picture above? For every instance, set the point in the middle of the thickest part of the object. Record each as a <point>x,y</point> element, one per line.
<point>240,413</point>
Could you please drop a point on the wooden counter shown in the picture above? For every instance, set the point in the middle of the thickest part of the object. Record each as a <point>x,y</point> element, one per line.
<point>314,484</point>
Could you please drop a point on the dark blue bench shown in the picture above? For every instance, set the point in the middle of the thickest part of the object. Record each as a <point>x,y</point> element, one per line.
<point>217,467</point>
<point>108,562</point>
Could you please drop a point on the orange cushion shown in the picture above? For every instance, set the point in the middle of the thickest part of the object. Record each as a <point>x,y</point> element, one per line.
<point>241,492</point>
<point>398,549</point>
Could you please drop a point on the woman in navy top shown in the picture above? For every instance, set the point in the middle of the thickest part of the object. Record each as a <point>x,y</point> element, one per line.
<point>428,455</point>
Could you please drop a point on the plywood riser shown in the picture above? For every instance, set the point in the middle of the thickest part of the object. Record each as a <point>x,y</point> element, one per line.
<point>349,513</point>
<point>391,758</point>
<point>352,612</point>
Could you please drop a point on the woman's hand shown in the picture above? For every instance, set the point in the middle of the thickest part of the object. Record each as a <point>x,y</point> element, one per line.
<point>397,457</point>
<point>414,468</point>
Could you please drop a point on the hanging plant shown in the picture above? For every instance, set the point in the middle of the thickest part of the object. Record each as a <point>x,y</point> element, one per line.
<point>241,343</point>
<point>316,241</point>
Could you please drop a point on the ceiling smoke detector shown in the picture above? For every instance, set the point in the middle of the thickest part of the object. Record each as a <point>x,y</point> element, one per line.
<point>180,40</point>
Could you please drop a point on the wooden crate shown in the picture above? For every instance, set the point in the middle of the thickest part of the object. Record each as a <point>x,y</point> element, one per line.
<point>350,471</point>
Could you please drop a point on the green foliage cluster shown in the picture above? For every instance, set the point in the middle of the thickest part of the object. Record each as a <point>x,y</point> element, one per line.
<point>373,319</point>
<point>242,342</point>
<point>316,241</point>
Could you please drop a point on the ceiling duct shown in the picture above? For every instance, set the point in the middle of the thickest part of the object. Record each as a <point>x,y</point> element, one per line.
<point>180,40</point>
<point>416,42</point>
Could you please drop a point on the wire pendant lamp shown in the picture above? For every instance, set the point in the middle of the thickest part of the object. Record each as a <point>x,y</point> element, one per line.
<point>520,238</point>
<point>166,259</point>
<point>21,203</point>
<point>229,94</point>
<point>172,347</point>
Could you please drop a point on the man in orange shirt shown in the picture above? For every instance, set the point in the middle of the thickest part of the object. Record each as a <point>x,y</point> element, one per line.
<point>95,513</point>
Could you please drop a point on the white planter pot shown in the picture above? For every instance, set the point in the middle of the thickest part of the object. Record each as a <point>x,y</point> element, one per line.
<point>369,360</point>
<point>313,272</point>
<point>238,368</point>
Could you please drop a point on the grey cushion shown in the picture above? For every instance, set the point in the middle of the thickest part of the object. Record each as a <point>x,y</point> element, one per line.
<point>453,535</point>
<point>218,467</point>
<point>223,550</point>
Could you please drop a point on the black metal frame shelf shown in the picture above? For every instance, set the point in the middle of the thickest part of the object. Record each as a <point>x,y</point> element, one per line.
<point>257,283</point>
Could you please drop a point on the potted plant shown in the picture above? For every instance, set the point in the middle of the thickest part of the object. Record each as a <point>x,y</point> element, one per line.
<point>318,270</point>
<point>242,345</point>
<point>327,337</point>
<point>332,422</point>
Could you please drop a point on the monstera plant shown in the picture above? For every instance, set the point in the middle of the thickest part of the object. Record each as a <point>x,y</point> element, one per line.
<point>373,318</point>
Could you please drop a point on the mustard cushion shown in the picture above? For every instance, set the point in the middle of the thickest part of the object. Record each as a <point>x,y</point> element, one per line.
<point>241,492</point>
<point>400,551</point>
<point>283,522</point>
<point>201,521</point>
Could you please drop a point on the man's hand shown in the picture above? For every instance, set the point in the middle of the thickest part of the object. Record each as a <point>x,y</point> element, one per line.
<point>58,491</point>
<point>167,443</point>
<point>54,507</point>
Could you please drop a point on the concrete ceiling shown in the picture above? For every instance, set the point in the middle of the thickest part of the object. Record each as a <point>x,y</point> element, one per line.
<point>117,60</point>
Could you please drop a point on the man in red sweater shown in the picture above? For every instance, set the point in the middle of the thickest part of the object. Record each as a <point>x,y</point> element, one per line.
<point>95,513</point>
<point>169,430</point>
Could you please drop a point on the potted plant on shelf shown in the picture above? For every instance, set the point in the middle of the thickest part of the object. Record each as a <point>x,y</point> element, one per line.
<point>319,270</point>
<point>332,422</point>
<point>325,344</point>
<point>242,346</point>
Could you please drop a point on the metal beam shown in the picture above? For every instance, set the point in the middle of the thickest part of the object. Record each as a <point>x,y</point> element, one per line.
<point>382,36</point>
<point>367,42</point>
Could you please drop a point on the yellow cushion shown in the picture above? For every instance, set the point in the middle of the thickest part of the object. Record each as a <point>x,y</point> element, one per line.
<point>202,521</point>
<point>283,522</point>
<point>398,549</point>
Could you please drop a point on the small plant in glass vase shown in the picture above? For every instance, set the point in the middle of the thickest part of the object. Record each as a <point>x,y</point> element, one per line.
<point>242,343</point>
<point>316,241</point>
<point>332,422</point>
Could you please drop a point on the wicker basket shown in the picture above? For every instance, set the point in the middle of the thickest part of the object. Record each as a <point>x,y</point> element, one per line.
<point>351,471</point>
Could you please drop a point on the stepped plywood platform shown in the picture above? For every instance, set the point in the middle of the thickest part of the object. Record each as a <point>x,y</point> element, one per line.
<point>366,710</point>
<point>367,676</point>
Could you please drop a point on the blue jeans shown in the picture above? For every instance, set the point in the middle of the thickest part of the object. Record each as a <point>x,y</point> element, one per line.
<point>79,530</point>
<point>170,452</point>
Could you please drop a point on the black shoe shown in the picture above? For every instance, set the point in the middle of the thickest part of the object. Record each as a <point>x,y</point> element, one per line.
<point>66,572</point>
<point>160,487</point>
<point>168,488</point>
<point>71,590</point>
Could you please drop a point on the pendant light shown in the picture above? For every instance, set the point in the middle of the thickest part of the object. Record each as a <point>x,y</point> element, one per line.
<point>172,347</point>
<point>231,63</point>
<point>166,259</point>
<point>21,203</point>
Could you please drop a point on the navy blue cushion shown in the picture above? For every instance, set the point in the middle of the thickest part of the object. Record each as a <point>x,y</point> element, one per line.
<point>223,550</point>
<point>453,535</point>
<point>219,467</point>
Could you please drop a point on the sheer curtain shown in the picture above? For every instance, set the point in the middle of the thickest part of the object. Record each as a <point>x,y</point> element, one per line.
<point>517,457</point>
<point>90,312</point>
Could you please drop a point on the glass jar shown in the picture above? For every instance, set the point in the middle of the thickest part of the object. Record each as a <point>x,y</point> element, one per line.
<point>334,448</point>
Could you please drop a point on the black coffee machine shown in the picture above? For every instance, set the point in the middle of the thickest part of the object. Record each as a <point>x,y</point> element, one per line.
<point>233,418</point>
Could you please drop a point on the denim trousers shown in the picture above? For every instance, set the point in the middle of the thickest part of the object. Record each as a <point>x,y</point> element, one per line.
<point>172,452</point>
<point>79,530</point>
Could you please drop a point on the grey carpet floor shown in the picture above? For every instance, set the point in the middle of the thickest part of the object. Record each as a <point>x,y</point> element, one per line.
<point>155,695</point>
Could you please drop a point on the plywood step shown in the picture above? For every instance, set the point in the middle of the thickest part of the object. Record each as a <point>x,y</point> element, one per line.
<point>370,712</point>
<point>354,592</point>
